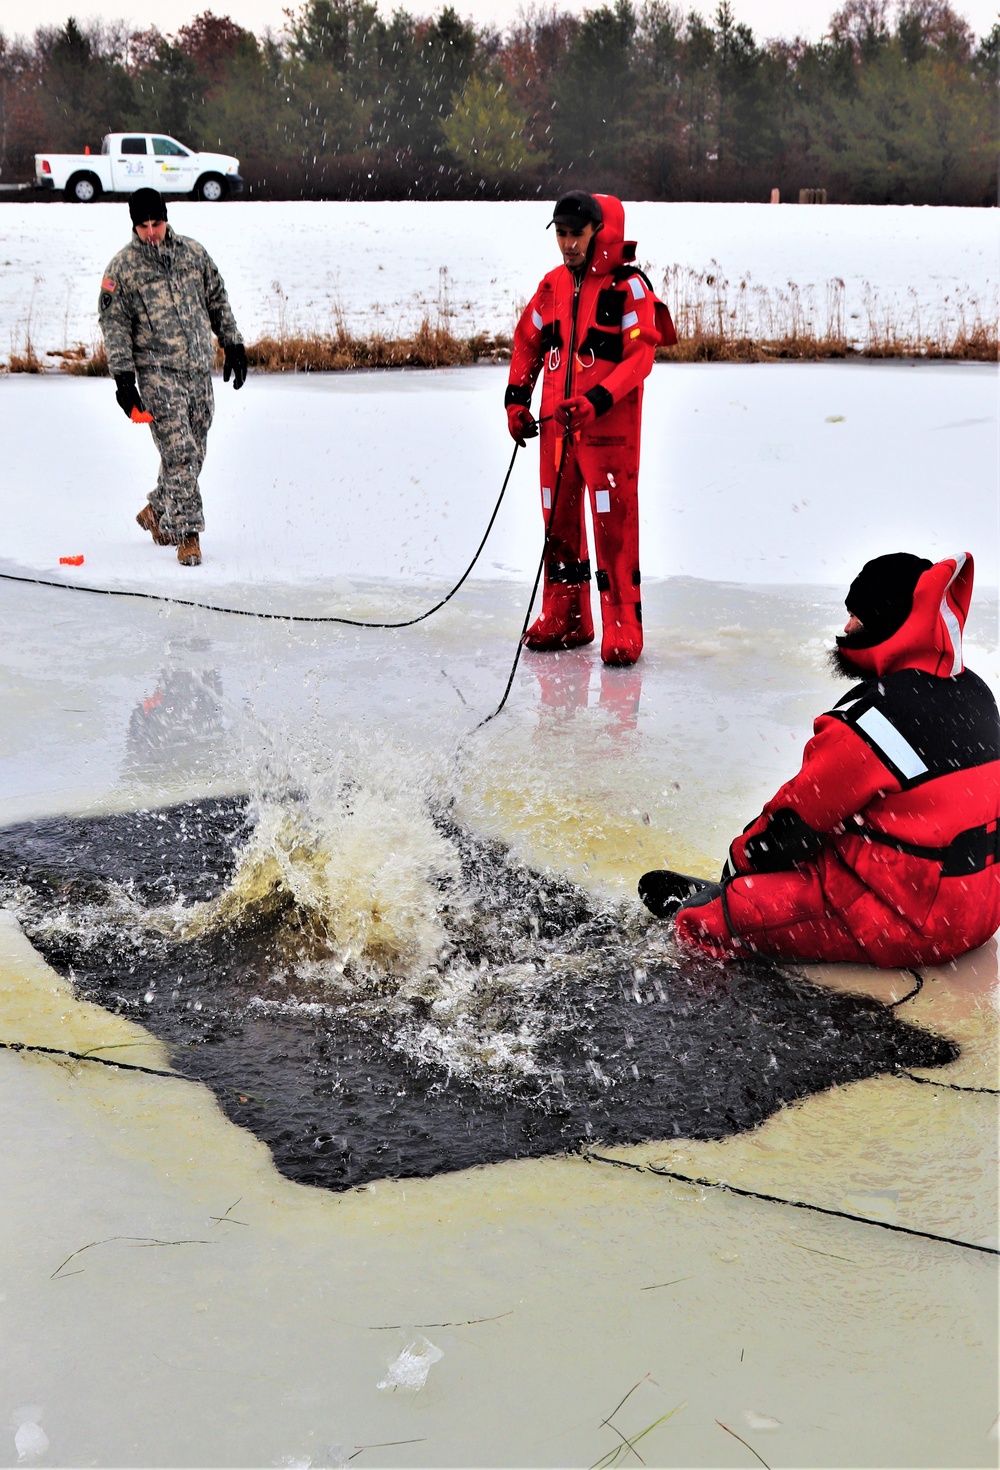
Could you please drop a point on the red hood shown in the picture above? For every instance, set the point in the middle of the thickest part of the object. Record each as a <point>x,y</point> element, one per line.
<point>611,249</point>
<point>931,637</point>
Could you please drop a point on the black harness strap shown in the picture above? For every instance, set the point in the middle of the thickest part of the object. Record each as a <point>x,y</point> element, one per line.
<point>970,852</point>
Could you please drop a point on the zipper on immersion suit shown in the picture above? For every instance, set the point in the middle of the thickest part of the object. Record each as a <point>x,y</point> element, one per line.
<point>572,336</point>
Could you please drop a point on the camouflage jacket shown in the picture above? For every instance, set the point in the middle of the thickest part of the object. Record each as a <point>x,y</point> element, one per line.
<point>159,307</point>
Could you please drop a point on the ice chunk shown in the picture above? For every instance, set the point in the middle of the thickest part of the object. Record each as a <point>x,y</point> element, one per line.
<point>760,1421</point>
<point>411,1368</point>
<point>30,1441</point>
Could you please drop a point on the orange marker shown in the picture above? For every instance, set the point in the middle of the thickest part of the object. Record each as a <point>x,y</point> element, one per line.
<point>140,418</point>
<point>71,561</point>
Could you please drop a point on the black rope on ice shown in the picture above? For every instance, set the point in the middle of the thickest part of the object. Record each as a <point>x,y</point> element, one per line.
<point>81,1056</point>
<point>951,1086</point>
<point>534,592</point>
<point>918,987</point>
<point>243,612</point>
<point>931,1081</point>
<point>796,1204</point>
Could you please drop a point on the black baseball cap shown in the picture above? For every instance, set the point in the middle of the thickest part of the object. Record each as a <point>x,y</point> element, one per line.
<point>576,209</point>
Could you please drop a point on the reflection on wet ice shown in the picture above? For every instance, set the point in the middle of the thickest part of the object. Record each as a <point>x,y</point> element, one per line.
<point>175,728</point>
<point>572,681</point>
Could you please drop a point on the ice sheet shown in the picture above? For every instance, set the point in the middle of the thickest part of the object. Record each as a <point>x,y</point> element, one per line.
<point>217,1314</point>
<point>786,473</point>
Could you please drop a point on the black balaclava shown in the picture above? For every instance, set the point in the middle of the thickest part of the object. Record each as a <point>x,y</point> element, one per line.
<point>881,595</point>
<point>147,204</point>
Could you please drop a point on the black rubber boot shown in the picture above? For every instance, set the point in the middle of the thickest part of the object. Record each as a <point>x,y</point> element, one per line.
<point>663,892</point>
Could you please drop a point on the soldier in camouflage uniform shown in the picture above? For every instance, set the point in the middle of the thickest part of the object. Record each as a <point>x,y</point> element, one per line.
<point>161,299</point>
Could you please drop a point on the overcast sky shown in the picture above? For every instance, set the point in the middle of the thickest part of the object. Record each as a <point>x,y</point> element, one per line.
<point>765,17</point>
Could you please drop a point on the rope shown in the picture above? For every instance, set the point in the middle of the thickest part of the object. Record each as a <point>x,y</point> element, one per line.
<point>891,1006</point>
<point>796,1204</point>
<point>82,1056</point>
<point>534,589</point>
<point>242,612</point>
<point>952,1086</point>
<point>931,1081</point>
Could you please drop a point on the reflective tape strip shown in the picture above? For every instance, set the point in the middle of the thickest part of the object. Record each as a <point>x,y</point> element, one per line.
<point>536,318</point>
<point>602,502</point>
<point>951,622</point>
<point>887,739</point>
<point>546,498</point>
<point>630,319</point>
<point>636,287</point>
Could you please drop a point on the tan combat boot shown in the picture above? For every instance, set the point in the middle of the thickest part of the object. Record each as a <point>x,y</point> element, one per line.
<point>188,550</point>
<point>147,520</point>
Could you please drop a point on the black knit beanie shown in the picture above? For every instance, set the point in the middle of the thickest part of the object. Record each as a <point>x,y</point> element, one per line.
<point>147,204</point>
<point>881,595</point>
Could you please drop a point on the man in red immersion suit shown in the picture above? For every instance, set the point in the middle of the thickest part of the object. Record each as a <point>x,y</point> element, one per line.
<point>593,324</point>
<point>885,847</point>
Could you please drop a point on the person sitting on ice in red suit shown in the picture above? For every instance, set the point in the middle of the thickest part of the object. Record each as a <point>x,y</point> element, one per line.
<point>594,324</point>
<point>884,849</point>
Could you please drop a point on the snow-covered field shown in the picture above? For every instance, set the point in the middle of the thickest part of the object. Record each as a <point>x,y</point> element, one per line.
<point>385,266</point>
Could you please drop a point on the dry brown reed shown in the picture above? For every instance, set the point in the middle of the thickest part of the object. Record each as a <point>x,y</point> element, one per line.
<point>719,321</point>
<point>716,322</point>
<point>80,363</point>
<point>25,359</point>
<point>430,347</point>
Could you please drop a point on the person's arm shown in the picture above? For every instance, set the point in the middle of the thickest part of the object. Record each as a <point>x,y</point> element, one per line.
<point>841,773</point>
<point>526,358</point>
<point>220,313</point>
<point>223,322</point>
<point>527,354</point>
<point>114,315</point>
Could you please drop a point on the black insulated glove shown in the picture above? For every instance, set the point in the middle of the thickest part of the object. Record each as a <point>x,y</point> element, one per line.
<point>127,394</point>
<point>236,364</point>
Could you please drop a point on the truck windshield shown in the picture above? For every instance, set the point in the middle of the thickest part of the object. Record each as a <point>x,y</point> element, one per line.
<point>134,145</point>
<point>167,147</point>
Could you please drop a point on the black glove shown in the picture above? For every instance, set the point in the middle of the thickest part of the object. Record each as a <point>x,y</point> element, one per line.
<point>127,394</point>
<point>236,363</point>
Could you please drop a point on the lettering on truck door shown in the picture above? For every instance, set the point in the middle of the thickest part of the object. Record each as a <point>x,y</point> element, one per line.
<point>130,166</point>
<point>174,166</point>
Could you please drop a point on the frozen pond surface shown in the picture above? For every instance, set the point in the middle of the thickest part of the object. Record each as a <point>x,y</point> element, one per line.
<point>223,1315</point>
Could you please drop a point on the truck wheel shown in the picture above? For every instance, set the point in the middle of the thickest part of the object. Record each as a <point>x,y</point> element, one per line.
<point>211,188</point>
<point>83,189</point>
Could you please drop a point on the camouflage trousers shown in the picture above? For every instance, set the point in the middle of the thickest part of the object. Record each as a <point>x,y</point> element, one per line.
<point>182,405</point>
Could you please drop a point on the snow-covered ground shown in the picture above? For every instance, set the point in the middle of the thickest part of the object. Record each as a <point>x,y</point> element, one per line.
<point>386,266</point>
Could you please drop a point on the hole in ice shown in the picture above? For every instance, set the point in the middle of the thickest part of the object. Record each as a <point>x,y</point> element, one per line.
<point>374,990</point>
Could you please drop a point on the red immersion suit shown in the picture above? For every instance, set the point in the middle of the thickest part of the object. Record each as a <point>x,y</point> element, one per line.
<point>595,335</point>
<point>884,848</point>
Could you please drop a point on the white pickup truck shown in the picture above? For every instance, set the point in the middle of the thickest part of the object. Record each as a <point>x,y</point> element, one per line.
<point>130,161</point>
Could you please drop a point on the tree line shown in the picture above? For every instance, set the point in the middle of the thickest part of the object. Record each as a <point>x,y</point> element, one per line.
<point>641,99</point>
